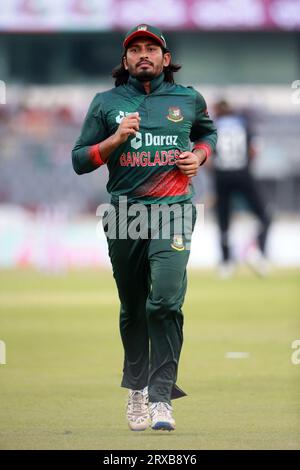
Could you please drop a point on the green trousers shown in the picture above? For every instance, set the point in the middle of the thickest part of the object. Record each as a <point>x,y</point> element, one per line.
<point>150,274</point>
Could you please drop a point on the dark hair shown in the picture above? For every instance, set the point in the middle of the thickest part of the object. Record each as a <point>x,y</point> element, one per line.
<point>121,75</point>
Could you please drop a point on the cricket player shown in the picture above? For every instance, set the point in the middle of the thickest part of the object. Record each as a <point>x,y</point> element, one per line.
<point>232,161</point>
<point>142,129</point>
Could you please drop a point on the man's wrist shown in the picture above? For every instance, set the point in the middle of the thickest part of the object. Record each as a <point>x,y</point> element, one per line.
<point>201,154</point>
<point>95,155</point>
<point>206,148</point>
<point>115,140</point>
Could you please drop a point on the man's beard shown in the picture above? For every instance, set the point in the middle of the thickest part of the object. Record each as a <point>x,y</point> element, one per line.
<point>145,75</point>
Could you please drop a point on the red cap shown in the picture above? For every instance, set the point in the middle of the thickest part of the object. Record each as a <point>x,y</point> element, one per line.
<point>143,30</point>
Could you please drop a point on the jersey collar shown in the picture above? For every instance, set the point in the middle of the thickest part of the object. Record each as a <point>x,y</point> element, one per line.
<point>154,84</point>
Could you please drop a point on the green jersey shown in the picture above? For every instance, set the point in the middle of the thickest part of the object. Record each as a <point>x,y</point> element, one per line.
<point>143,168</point>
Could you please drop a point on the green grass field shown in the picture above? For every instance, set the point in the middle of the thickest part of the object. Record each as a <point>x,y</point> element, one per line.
<point>60,386</point>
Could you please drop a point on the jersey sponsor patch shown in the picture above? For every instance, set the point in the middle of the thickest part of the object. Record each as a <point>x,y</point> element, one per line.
<point>148,140</point>
<point>136,142</point>
<point>121,115</point>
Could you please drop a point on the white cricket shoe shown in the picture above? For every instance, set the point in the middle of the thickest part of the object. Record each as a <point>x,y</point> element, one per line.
<point>226,270</point>
<point>161,416</point>
<point>137,410</point>
<point>257,262</point>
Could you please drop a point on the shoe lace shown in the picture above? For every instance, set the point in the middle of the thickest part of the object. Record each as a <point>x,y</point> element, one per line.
<point>136,402</point>
<point>161,408</point>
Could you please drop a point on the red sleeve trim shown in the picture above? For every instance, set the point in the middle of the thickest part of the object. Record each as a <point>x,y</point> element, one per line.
<point>94,154</point>
<point>205,147</point>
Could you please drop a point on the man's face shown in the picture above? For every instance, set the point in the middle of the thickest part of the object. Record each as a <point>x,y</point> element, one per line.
<point>145,59</point>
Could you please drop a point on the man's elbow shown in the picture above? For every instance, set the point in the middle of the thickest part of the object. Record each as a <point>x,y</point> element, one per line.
<point>76,165</point>
<point>78,170</point>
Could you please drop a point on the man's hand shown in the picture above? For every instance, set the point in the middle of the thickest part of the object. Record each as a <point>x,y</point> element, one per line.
<point>128,126</point>
<point>189,162</point>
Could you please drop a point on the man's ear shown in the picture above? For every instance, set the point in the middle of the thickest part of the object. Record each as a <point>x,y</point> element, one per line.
<point>167,59</point>
<point>125,63</point>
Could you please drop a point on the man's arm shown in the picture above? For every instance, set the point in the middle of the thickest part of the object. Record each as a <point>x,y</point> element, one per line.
<point>204,136</point>
<point>86,153</point>
<point>203,133</point>
<point>94,144</point>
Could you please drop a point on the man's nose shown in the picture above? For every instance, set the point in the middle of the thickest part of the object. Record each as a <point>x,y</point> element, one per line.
<point>144,54</point>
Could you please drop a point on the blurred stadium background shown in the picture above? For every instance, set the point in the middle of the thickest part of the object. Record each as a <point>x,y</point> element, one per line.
<point>54,56</point>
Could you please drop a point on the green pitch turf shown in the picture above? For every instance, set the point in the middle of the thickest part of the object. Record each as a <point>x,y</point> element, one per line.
<point>60,386</point>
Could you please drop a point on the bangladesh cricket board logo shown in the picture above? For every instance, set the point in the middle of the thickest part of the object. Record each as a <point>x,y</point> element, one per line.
<point>175,114</point>
<point>177,243</point>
